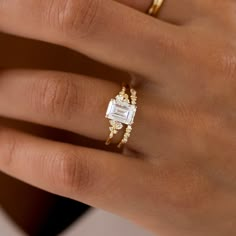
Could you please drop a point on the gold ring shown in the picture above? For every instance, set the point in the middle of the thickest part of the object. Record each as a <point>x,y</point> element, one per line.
<point>121,111</point>
<point>154,9</point>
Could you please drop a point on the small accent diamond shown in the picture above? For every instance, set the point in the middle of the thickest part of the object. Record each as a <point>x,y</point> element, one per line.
<point>116,125</point>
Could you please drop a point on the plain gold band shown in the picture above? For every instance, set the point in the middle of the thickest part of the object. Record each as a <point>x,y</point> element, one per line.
<point>154,9</point>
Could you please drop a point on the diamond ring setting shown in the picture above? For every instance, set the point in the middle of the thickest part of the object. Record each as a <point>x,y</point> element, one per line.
<point>121,112</point>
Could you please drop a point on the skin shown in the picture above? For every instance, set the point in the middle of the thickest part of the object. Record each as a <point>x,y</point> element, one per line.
<point>176,176</point>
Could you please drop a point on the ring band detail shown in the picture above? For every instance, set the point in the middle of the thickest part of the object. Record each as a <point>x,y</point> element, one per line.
<point>154,9</point>
<point>121,111</point>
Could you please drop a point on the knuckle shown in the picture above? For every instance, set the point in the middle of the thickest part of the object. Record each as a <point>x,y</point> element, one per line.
<point>73,17</point>
<point>169,45</point>
<point>70,174</point>
<point>191,191</point>
<point>227,65</point>
<point>228,7</point>
<point>56,97</point>
<point>8,149</point>
<point>218,59</point>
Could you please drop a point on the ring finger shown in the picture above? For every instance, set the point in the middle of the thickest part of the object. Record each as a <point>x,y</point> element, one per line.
<point>72,102</point>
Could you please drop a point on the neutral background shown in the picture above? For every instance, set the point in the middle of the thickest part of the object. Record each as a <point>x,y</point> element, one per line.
<point>95,222</point>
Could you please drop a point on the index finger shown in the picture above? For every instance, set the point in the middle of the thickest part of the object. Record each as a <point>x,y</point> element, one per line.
<point>104,30</point>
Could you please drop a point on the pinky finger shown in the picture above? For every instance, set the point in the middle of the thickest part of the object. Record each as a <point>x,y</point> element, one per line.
<point>98,178</point>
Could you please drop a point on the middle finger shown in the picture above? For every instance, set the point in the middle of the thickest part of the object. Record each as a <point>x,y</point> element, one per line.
<point>104,30</point>
<point>173,11</point>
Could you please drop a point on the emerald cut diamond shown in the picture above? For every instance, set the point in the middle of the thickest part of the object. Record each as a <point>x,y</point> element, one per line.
<point>121,111</point>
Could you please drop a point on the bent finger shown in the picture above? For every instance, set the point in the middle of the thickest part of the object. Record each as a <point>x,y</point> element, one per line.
<point>87,175</point>
<point>172,11</point>
<point>104,30</point>
<point>66,101</point>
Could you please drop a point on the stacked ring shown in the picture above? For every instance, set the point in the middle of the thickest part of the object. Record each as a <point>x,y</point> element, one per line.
<point>120,112</point>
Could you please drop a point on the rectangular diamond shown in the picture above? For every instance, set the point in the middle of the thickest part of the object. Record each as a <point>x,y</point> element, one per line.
<point>121,111</point>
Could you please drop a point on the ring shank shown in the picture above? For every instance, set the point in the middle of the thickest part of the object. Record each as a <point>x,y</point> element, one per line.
<point>154,9</point>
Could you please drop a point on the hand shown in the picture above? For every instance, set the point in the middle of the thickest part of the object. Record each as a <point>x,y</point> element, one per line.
<point>177,173</point>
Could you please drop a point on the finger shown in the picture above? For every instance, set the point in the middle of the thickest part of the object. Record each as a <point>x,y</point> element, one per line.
<point>90,176</point>
<point>71,102</point>
<point>173,11</point>
<point>104,30</point>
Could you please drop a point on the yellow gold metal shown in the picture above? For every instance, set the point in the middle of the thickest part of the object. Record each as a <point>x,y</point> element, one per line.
<point>125,137</point>
<point>130,99</point>
<point>154,9</point>
<point>114,129</point>
<point>133,98</point>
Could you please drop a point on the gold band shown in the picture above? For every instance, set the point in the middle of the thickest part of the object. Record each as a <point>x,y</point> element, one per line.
<point>121,112</point>
<point>154,9</point>
<point>133,99</point>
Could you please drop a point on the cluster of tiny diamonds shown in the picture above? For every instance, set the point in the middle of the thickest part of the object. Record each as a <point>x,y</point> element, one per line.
<point>115,126</point>
<point>128,130</point>
<point>123,96</point>
<point>133,96</point>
